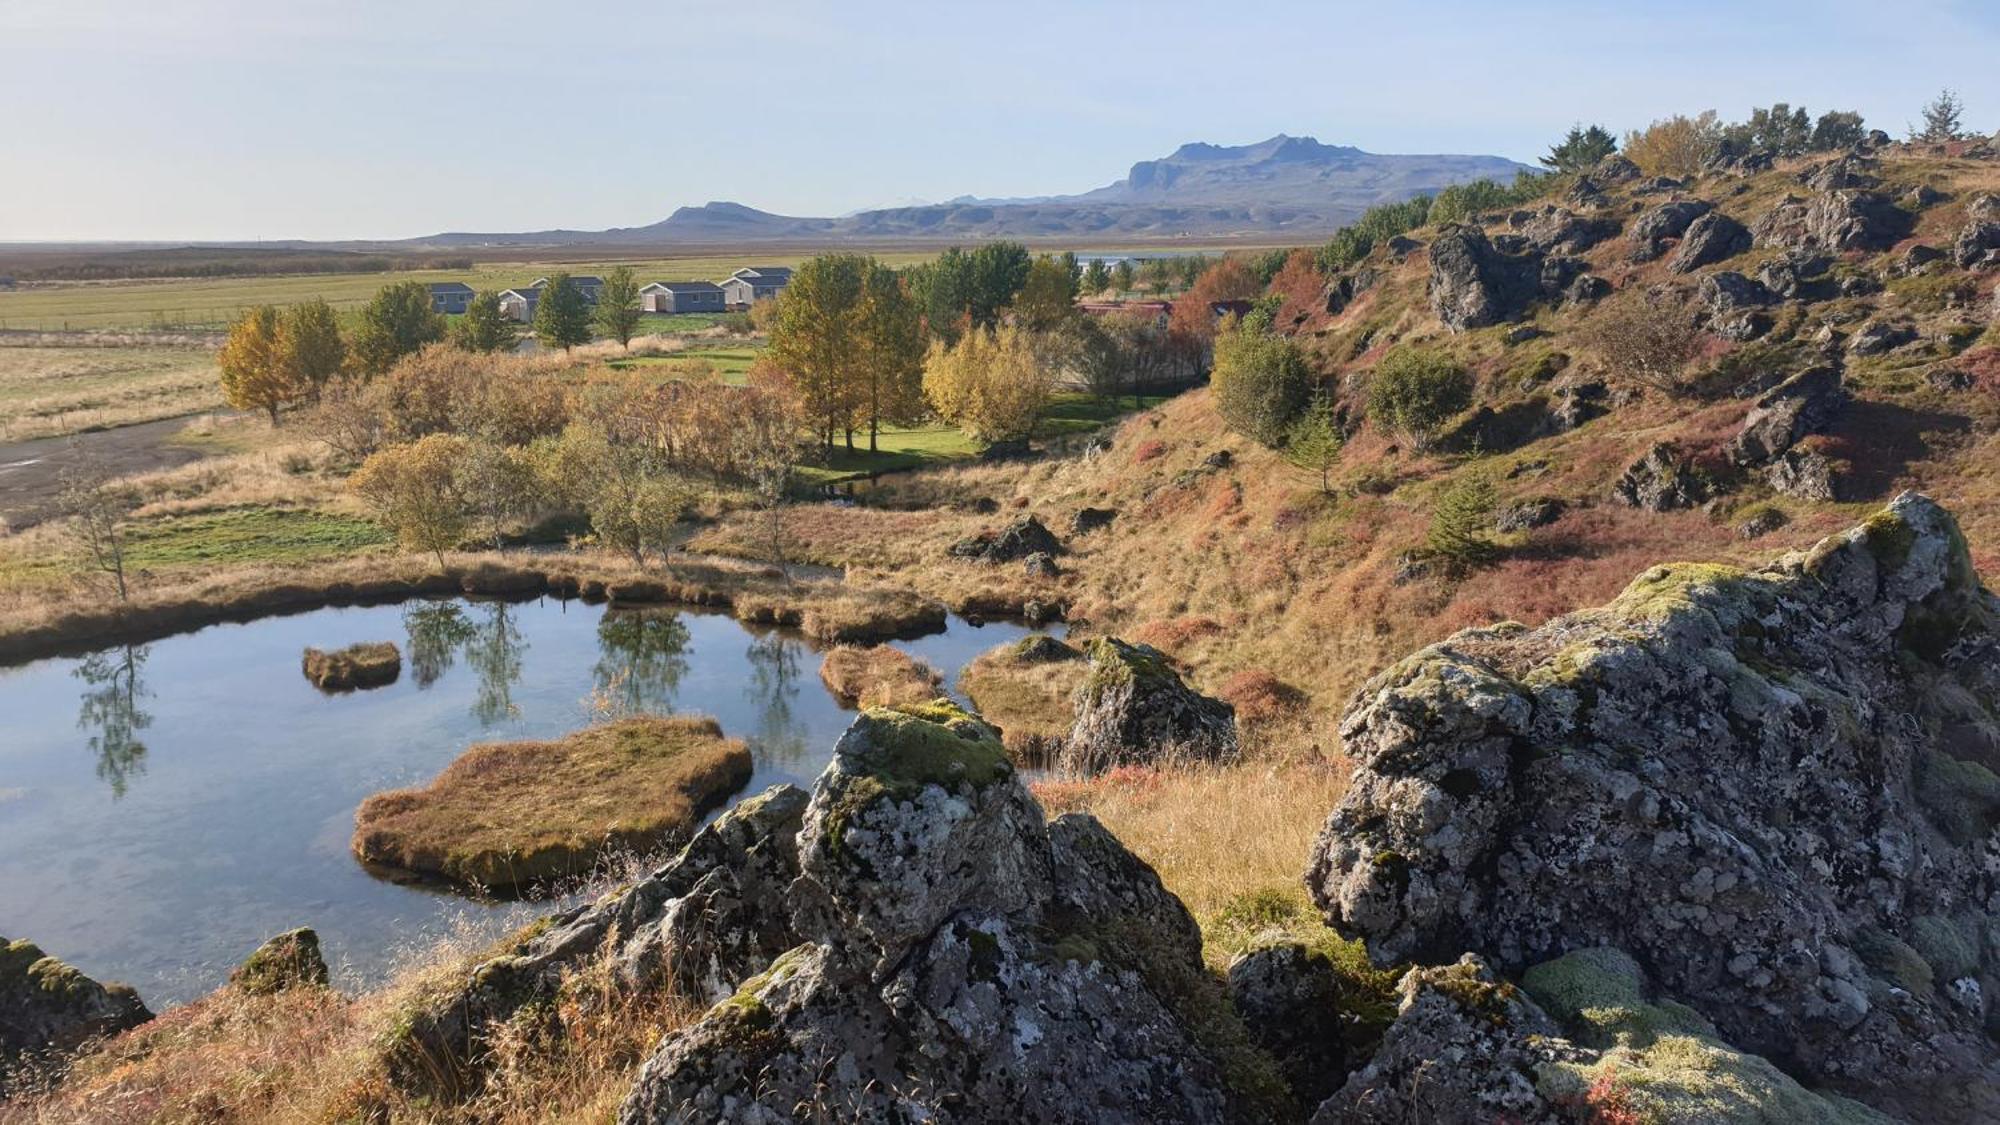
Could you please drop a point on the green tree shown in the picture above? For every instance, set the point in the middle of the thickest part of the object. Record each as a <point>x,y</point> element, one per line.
<point>1260,381</point>
<point>1780,129</point>
<point>891,336</point>
<point>1942,119</point>
<point>484,328</point>
<point>499,484</point>
<point>399,320</point>
<point>1580,149</point>
<point>817,339</point>
<point>1047,300</point>
<point>1415,391</point>
<point>309,346</point>
<point>1096,278</point>
<point>1459,523</point>
<point>634,502</point>
<point>1837,129</point>
<point>999,270</point>
<point>562,314</point>
<point>254,373</point>
<point>1123,276</point>
<point>1314,441</point>
<point>618,305</point>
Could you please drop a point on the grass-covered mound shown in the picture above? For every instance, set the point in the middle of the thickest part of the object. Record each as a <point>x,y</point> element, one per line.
<point>878,676</point>
<point>509,815</point>
<point>1026,690</point>
<point>367,665</point>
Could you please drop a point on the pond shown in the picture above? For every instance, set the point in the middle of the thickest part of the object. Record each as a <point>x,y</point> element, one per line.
<point>165,807</point>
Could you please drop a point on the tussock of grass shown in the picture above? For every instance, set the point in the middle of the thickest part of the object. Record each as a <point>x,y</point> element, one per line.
<point>366,665</point>
<point>509,815</point>
<point>878,676</point>
<point>1029,700</point>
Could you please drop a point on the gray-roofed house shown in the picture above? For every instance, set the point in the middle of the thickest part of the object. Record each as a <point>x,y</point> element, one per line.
<point>681,297</point>
<point>519,304</point>
<point>584,283</point>
<point>754,283</point>
<point>450,296</point>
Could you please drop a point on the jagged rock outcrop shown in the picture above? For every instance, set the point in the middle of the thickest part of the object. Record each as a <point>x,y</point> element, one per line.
<point>1312,1015</point>
<point>1804,404</point>
<point>1558,230</point>
<point>698,924</point>
<point>1025,536</point>
<point>1473,284</point>
<point>1879,336</point>
<point>1709,239</point>
<point>1790,275</point>
<point>1735,304</point>
<point>47,1005</point>
<point>1088,520</point>
<point>962,962</point>
<point>289,960</point>
<point>1661,481</point>
<point>1133,708</point>
<point>1771,788</point>
<point>1804,474</point>
<point>1977,246</point>
<point>1651,230</point>
<point>1833,221</point>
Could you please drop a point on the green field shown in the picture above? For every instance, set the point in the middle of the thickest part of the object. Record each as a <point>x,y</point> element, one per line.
<point>214,302</point>
<point>731,363</point>
<point>915,447</point>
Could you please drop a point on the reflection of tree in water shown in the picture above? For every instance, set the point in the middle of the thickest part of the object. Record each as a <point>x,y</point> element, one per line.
<point>110,710</point>
<point>493,651</point>
<point>436,631</point>
<point>642,657</point>
<point>774,685</point>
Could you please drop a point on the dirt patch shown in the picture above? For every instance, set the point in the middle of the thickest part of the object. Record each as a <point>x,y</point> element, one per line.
<point>31,472</point>
<point>508,816</point>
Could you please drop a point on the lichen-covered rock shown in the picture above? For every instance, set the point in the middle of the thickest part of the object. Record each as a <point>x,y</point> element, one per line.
<point>1661,481</point>
<point>1133,708</point>
<point>1651,230</point>
<point>1805,403</point>
<point>1025,536</point>
<point>1976,244</point>
<point>46,1005</point>
<point>1879,336</point>
<point>964,963</point>
<point>1473,284</point>
<point>699,924</point>
<point>1557,230</point>
<point>1789,275</point>
<point>1743,779</point>
<point>1309,1012</point>
<point>1834,221</point>
<point>289,960</point>
<point>1804,474</point>
<point>1709,239</point>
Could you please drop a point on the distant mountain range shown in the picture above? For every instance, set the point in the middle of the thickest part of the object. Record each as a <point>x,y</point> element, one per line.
<point>1284,185</point>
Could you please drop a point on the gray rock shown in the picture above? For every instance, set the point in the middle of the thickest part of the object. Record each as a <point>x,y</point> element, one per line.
<point>289,960</point>
<point>1529,514</point>
<point>1924,195</point>
<point>1762,522</point>
<point>1847,171</point>
<point>1587,289</point>
<point>1558,230</point>
<point>1949,379</point>
<point>1018,540</point>
<point>1735,777</point>
<point>1133,709</point>
<point>1916,260</point>
<point>1473,284</point>
<point>1302,1008</point>
<point>1879,336</point>
<point>1041,564</point>
<point>1788,275</point>
<point>1834,221</point>
<point>46,1006</point>
<point>1709,239</point>
<point>1804,404</point>
<point>1616,168</point>
<point>1976,244</point>
<point>1804,475</point>
<point>1661,481</point>
<point>1651,230</point>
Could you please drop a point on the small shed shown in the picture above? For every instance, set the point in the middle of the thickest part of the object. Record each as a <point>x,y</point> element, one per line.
<point>681,297</point>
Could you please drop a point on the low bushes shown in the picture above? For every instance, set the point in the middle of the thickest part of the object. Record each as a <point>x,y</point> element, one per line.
<point>509,816</point>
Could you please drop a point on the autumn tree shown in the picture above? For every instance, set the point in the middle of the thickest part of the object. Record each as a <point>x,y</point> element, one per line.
<point>891,364</point>
<point>1415,391</point>
<point>1047,300</point>
<point>816,338</point>
<point>634,503</point>
<point>309,346</point>
<point>399,321</point>
<point>1313,442</point>
<point>415,490</point>
<point>562,314</point>
<point>1580,149</point>
<point>483,328</point>
<point>1261,380</point>
<point>255,375</point>
<point>991,384</point>
<point>1193,321</point>
<point>618,306</point>
<point>499,484</point>
<point>1646,339</point>
<point>1678,146</point>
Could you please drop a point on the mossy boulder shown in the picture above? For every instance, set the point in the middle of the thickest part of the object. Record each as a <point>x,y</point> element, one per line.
<point>48,1006</point>
<point>1132,708</point>
<point>289,960</point>
<point>354,668</point>
<point>512,816</point>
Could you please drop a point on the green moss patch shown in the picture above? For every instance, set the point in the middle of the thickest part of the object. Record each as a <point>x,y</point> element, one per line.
<point>509,815</point>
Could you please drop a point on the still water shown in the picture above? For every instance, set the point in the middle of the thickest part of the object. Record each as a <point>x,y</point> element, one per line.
<point>165,807</point>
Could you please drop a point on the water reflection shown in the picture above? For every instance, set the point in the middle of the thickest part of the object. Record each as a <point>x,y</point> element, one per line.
<point>494,652</point>
<point>436,631</point>
<point>109,709</point>
<point>642,655</point>
<point>773,691</point>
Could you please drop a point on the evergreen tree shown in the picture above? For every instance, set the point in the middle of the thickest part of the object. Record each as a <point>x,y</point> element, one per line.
<point>1096,278</point>
<point>310,347</point>
<point>398,322</point>
<point>562,315</point>
<point>1837,129</point>
<point>1314,442</point>
<point>1459,523</point>
<point>1941,119</point>
<point>483,328</point>
<point>1580,149</point>
<point>618,306</point>
<point>1123,277</point>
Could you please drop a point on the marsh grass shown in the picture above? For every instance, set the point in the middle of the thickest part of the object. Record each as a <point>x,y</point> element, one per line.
<point>866,676</point>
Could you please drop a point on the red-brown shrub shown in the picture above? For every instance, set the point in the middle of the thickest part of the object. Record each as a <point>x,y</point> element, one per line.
<point>1150,450</point>
<point>1259,696</point>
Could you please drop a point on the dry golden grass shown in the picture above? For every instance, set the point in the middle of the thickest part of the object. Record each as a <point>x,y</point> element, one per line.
<point>1031,701</point>
<point>65,384</point>
<point>512,815</point>
<point>878,676</point>
<point>365,665</point>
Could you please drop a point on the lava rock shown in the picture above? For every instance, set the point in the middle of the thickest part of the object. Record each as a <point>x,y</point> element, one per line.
<point>1088,520</point>
<point>1805,475</point>
<point>1529,514</point>
<point>1473,284</point>
<point>1834,221</point>
<point>1018,540</point>
<point>1041,564</point>
<point>48,1006</point>
<point>1789,275</point>
<point>1762,522</point>
<point>1804,404</point>
<point>1651,230</point>
<point>1879,336</point>
<point>1709,239</point>
<point>1558,230</point>
<point>1976,244</point>
<point>1133,708</point>
<point>1661,481</point>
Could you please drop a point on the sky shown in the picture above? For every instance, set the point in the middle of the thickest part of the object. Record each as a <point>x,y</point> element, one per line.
<point>252,119</point>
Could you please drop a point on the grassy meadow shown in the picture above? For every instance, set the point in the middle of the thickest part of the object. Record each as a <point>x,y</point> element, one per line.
<point>62,387</point>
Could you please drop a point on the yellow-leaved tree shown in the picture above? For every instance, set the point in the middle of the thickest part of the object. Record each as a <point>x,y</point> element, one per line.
<point>255,375</point>
<point>991,384</point>
<point>416,490</point>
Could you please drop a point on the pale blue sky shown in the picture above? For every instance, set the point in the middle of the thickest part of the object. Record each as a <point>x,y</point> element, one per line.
<point>192,119</point>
